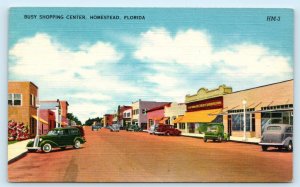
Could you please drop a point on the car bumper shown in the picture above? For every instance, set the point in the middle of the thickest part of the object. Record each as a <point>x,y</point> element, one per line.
<point>272,144</point>
<point>33,148</point>
<point>159,133</point>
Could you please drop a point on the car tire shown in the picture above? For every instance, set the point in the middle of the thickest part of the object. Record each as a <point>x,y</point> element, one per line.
<point>77,144</point>
<point>46,148</point>
<point>167,134</point>
<point>220,139</point>
<point>290,146</point>
<point>264,147</point>
<point>205,139</point>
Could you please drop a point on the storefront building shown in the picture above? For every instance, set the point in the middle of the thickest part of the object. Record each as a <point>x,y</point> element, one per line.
<point>139,111</point>
<point>127,115</point>
<point>174,111</point>
<point>266,104</point>
<point>202,108</point>
<point>55,107</point>
<point>22,104</point>
<point>156,115</point>
<point>123,120</point>
<point>108,119</point>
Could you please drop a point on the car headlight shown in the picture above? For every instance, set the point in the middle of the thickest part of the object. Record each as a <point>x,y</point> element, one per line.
<point>40,139</point>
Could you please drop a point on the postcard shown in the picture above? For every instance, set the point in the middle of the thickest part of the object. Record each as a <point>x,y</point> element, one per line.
<point>150,94</point>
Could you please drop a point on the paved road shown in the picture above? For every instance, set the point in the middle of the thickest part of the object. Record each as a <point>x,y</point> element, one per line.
<point>140,157</point>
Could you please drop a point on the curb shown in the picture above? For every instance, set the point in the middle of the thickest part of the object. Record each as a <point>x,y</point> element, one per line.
<point>17,157</point>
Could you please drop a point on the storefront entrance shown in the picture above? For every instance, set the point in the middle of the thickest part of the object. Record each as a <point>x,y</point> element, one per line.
<point>191,127</point>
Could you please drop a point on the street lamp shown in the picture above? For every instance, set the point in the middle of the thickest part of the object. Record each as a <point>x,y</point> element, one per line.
<point>244,105</point>
<point>37,137</point>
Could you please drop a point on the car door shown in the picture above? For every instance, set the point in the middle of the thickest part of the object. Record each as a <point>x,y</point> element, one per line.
<point>73,133</point>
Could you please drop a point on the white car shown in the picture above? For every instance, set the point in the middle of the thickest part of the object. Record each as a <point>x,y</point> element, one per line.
<point>152,129</point>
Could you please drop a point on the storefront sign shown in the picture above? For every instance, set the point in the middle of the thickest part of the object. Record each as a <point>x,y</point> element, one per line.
<point>214,103</point>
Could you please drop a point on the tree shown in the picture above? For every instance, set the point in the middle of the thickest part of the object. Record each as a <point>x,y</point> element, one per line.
<point>90,121</point>
<point>71,117</point>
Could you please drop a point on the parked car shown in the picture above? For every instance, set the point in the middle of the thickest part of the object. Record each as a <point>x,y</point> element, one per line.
<point>167,130</point>
<point>115,128</point>
<point>96,127</point>
<point>277,135</point>
<point>152,129</point>
<point>215,132</point>
<point>59,137</point>
<point>135,128</point>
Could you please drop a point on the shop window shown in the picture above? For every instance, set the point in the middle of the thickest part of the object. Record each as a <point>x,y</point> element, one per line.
<point>14,99</point>
<point>32,100</point>
<point>238,122</point>
<point>175,125</point>
<point>144,111</point>
<point>276,115</point>
<point>181,125</point>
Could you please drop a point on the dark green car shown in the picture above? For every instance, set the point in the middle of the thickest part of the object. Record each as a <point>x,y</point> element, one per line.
<point>215,132</point>
<point>134,128</point>
<point>58,137</point>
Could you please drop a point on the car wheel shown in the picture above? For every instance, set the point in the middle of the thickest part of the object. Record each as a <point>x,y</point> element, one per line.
<point>46,148</point>
<point>205,139</point>
<point>290,146</point>
<point>264,147</point>
<point>167,134</point>
<point>220,139</point>
<point>77,144</point>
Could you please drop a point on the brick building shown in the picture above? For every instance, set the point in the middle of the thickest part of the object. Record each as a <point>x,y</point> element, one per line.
<point>22,103</point>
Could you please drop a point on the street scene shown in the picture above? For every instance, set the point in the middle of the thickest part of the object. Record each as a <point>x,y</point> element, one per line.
<point>150,95</point>
<point>128,156</point>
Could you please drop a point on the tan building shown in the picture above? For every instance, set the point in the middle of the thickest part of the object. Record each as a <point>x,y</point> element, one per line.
<point>202,108</point>
<point>266,104</point>
<point>22,104</point>
<point>174,111</point>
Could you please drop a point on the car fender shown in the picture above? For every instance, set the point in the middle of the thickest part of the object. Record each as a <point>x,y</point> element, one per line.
<point>78,138</point>
<point>30,144</point>
<point>287,140</point>
<point>52,143</point>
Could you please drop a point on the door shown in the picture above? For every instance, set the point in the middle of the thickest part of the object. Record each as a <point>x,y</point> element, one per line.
<point>229,125</point>
<point>192,128</point>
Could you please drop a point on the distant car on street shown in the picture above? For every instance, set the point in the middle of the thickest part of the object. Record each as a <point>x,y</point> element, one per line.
<point>115,128</point>
<point>96,127</point>
<point>215,132</point>
<point>135,128</point>
<point>167,130</point>
<point>277,135</point>
<point>152,129</point>
<point>59,137</point>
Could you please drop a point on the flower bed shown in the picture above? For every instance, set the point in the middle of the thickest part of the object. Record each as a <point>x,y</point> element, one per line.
<point>17,131</point>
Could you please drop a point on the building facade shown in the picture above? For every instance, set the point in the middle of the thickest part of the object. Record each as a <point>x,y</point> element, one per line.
<point>263,105</point>
<point>139,111</point>
<point>174,111</point>
<point>55,107</point>
<point>127,115</point>
<point>22,104</point>
<point>156,115</point>
<point>64,111</point>
<point>121,120</point>
<point>48,121</point>
<point>108,119</point>
<point>202,108</point>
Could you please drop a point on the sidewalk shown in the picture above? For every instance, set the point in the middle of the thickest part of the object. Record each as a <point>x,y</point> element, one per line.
<point>16,150</point>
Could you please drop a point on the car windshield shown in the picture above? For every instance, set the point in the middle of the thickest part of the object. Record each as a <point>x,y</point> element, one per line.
<point>274,128</point>
<point>53,132</point>
<point>212,129</point>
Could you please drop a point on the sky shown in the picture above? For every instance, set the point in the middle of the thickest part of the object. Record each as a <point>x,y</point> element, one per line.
<point>97,65</point>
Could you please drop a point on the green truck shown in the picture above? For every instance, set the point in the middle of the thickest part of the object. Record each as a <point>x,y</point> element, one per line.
<point>215,131</point>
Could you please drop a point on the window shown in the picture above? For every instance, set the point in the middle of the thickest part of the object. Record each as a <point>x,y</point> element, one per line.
<point>175,125</point>
<point>285,117</point>
<point>144,111</point>
<point>128,114</point>
<point>238,122</point>
<point>274,128</point>
<point>137,111</point>
<point>181,125</point>
<point>32,100</point>
<point>14,99</point>
<point>73,131</point>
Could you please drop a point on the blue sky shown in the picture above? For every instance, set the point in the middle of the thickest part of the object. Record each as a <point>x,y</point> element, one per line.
<point>99,64</point>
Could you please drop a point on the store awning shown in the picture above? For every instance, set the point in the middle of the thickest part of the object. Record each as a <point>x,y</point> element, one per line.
<point>204,116</point>
<point>177,120</point>
<point>163,120</point>
<point>40,119</point>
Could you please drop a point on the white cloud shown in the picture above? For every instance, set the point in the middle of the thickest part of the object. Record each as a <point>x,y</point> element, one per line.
<point>56,69</point>
<point>188,58</point>
<point>190,48</point>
